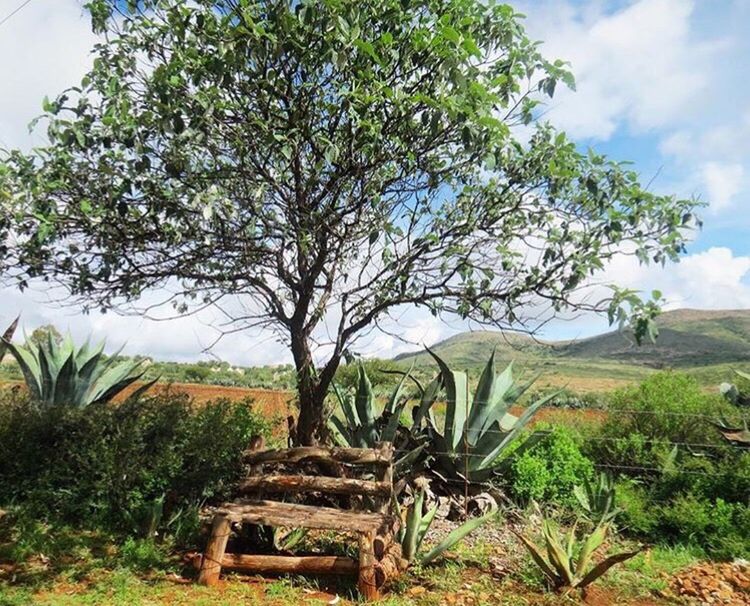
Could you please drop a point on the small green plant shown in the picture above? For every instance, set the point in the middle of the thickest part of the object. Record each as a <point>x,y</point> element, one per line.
<point>567,564</point>
<point>598,498</point>
<point>478,428</point>
<point>416,524</point>
<point>58,374</point>
<point>550,470</point>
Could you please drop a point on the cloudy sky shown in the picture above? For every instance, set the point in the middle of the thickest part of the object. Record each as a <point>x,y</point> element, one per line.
<point>664,83</point>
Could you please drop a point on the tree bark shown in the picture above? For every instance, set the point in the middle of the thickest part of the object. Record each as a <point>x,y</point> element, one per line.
<point>312,390</point>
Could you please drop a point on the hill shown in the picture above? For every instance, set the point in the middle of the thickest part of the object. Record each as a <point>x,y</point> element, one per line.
<point>687,338</point>
<point>469,349</point>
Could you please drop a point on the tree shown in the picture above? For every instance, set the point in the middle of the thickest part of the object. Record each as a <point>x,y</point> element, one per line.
<point>322,161</point>
<point>42,335</point>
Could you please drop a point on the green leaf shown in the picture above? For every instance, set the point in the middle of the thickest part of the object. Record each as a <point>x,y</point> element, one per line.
<point>455,536</point>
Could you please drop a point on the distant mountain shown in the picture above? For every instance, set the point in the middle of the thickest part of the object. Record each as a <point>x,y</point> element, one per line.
<point>469,349</point>
<point>687,337</point>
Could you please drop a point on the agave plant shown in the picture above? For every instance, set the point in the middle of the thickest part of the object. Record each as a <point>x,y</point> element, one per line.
<point>567,564</point>
<point>478,429</point>
<point>60,375</point>
<point>416,523</point>
<point>734,394</point>
<point>363,426</point>
<point>598,498</point>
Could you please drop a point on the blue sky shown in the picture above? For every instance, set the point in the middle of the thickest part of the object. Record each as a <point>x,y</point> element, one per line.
<point>664,83</point>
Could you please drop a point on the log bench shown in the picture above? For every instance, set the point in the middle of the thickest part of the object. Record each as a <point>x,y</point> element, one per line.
<point>375,526</point>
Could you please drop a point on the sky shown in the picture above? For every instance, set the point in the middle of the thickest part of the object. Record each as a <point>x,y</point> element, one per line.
<point>662,83</point>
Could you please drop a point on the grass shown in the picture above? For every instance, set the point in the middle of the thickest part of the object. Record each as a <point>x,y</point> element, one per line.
<point>43,565</point>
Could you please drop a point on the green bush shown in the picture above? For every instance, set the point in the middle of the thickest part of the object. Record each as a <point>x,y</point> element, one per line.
<point>639,515</point>
<point>721,528</point>
<point>644,422</point>
<point>550,470</point>
<point>126,466</point>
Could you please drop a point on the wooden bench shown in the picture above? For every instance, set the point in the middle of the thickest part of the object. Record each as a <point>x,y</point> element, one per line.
<point>379,554</point>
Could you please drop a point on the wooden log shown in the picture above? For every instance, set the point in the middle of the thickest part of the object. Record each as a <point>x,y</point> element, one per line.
<point>350,456</point>
<point>217,545</point>
<point>366,582</point>
<point>390,566</point>
<point>297,483</point>
<point>386,476</point>
<point>274,564</point>
<point>294,515</point>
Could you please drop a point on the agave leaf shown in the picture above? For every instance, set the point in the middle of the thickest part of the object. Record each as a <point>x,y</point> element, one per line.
<point>47,374</point>
<point>582,496</point>
<point>429,395</point>
<point>347,407</point>
<point>458,401</point>
<point>341,433</point>
<point>513,433</point>
<point>88,372</point>
<point>571,541</point>
<point>113,382</point>
<point>592,543</point>
<point>7,337</point>
<point>364,398</point>
<point>30,368</point>
<point>456,535</point>
<point>604,566</point>
<point>65,384</point>
<point>536,555</point>
<point>413,521</point>
<point>402,464</point>
<point>497,406</point>
<point>389,432</point>
<point>500,413</point>
<point>424,526</point>
<point>390,406</point>
<point>485,398</point>
<point>84,357</point>
<point>556,553</point>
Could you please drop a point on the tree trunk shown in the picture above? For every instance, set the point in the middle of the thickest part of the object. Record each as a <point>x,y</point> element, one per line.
<point>312,390</point>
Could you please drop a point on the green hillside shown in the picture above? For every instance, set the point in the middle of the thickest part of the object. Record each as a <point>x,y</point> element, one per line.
<point>689,339</point>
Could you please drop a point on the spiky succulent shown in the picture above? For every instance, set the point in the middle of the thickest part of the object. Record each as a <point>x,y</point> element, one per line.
<point>364,426</point>
<point>598,498</point>
<point>478,428</point>
<point>416,523</point>
<point>61,375</point>
<point>734,394</point>
<point>567,561</point>
<point>7,336</point>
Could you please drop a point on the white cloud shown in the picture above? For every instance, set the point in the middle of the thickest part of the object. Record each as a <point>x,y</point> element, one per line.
<point>722,182</point>
<point>713,279</point>
<point>44,51</point>
<point>641,65</point>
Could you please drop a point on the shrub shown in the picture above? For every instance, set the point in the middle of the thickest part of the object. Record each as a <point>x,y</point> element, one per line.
<point>121,466</point>
<point>721,528</point>
<point>566,398</point>
<point>639,515</point>
<point>550,470</point>
<point>645,421</point>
